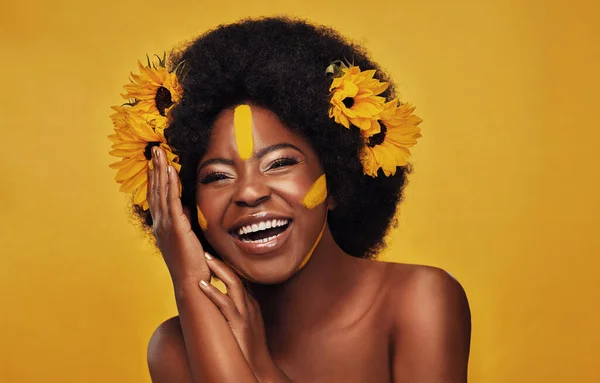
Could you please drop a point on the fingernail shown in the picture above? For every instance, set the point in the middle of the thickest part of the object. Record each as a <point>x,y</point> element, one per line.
<point>168,169</point>
<point>203,283</point>
<point>208,256</point>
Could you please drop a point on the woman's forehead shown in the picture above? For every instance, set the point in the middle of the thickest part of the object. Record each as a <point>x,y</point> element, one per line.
<point>249,127</point>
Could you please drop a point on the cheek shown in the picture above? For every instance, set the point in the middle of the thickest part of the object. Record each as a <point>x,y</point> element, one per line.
<point>202,219</point>
<point>210,207</point>
<point>317,193</point>
<point>307,192</point>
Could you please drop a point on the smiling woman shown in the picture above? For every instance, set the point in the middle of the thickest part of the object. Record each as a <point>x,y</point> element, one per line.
<point>292,163</point>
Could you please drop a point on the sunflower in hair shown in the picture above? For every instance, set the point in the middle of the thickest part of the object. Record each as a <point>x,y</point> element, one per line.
<point>134,146</point>
<point>389,148</point>
<point>154,90</point>
<point>139,126</point>
<point>354,98</point>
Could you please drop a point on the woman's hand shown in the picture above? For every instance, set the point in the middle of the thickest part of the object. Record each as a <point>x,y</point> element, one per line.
<point>243,315</point>
<point>178,244</point>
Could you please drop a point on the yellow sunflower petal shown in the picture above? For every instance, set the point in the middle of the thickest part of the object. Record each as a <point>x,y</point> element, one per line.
<point>130,171</point>
<point>140,195</point>
<point>126,162</point>
<point>134,182</point>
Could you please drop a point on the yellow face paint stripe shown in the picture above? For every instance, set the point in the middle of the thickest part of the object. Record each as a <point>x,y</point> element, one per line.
<point>201,219</point>
<point>317,193</point>
<point>242,124</point>
<point>310,253</point>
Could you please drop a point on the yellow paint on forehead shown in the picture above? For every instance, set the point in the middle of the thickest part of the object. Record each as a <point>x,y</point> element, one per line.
<point>242,124</point>
<point>201,219</point>
<point>317,193</point>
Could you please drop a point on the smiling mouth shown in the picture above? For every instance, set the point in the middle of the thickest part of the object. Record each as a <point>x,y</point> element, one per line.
<point>262,232</point>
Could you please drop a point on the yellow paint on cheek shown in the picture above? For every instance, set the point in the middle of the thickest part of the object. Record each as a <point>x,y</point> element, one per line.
<point>317,193</point>
<point>310,253</point>
<point>242,124</point>
<point>201,219</point>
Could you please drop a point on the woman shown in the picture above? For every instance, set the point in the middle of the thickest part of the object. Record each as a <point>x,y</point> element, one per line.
<point>292,152</point>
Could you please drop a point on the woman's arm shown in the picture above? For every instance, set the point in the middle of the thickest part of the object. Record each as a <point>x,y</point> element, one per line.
<point>211,350</point>
<point>433,329</point>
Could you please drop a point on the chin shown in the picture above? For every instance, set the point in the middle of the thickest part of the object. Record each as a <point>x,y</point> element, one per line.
<point>271,272</point>
<point>269,278</point>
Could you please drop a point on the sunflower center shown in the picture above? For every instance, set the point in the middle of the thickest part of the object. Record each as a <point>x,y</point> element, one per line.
<point>348,102</point>
<point>162,100</point>
<point>148,149</point>
<point>377,139</point>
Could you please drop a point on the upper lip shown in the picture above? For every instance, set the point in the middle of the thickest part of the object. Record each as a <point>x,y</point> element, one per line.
<point>256,218</point>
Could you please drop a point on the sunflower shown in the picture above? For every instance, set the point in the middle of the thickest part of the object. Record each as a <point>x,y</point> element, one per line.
<point>155,90</point>
<point>388,149</point>
<point>354,99</point>
<point>133,140</point>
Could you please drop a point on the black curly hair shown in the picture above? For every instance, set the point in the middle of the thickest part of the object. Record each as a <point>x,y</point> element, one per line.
<point>279,63</point>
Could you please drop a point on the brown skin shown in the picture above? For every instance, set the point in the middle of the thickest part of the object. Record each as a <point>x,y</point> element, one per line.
<point>338,319</point>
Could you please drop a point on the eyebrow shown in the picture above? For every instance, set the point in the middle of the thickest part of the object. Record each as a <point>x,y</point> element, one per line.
<point>260,154</point>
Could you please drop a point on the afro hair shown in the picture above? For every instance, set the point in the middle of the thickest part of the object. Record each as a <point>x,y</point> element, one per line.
<point>279,63</point>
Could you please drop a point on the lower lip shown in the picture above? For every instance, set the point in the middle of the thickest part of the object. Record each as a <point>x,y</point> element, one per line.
<point>264,247</point>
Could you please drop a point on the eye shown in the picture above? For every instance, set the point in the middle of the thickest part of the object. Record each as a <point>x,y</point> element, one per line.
<point>213,177</point>
<point>282,162</point>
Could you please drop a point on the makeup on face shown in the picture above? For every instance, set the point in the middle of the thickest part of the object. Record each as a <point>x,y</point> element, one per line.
<point>314,247</point>
<point>242,123</point>
<point>317,194</point>
<point>201,219</point>
<point>261,185</point>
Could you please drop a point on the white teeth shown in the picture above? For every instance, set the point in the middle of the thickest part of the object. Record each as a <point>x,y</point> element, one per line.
<point>253,228</point>
<point>264,240</point>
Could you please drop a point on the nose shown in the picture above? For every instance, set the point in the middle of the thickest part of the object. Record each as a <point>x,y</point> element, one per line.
<point>252,191</point>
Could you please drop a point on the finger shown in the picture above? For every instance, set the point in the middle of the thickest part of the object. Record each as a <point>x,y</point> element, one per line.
<point>150,191</point>
<point>173,200</point>
<point>161,193</point>
<point>154,190</point>
<point>222,301</point>
<point>235,289</point>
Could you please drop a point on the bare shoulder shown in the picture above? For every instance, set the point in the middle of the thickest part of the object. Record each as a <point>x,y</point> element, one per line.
<point>425,290</point>
<point>431,324</point>
<point>167,359</point>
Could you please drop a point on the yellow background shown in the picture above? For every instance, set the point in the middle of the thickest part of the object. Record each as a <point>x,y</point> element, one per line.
<point>503,196</point>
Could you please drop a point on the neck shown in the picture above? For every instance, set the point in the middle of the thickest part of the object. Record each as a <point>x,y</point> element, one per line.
<point>312,294</point>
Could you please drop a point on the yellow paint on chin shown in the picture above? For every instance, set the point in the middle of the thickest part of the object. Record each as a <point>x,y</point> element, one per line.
<point>310,253</point>
<point>242,125</point>
<point>201,219</point>
<point>317,194</point>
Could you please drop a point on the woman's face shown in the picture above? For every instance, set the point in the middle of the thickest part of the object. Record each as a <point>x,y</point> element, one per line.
<point>252,182</point>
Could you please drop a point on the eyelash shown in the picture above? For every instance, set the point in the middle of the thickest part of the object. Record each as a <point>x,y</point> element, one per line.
<point>213,177</point>
<point>278,163</point>
<point>283,161</point>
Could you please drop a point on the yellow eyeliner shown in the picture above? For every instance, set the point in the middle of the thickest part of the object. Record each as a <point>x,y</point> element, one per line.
<point>242,124</point>
<point>201,219</point>
<point>317,193</point>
